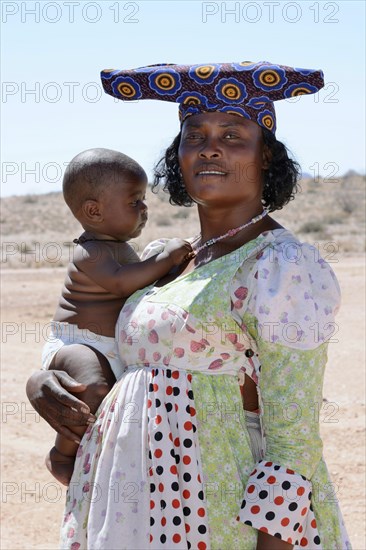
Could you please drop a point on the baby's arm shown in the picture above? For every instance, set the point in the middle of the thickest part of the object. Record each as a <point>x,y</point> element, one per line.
<point>124,280</point>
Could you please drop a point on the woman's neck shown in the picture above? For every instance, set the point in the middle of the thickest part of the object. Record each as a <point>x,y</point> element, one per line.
<point>215,223</point>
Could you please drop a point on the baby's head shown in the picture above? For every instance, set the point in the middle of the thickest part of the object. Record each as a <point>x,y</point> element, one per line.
<point>105,189</point>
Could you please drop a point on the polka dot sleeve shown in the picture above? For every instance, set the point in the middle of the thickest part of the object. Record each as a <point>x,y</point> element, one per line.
<point>277,501</point>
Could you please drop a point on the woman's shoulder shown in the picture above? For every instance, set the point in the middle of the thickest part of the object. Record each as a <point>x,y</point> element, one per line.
<point>287,256</point>
<point>287,283</point>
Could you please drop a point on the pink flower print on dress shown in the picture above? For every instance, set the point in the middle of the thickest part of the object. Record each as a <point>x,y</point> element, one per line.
<point>178,352</point>
<point>217,364</point>
<point>238,304</point>
<point>190,329</point>
<point>151,324</point>
<point>153,337</point>
<point>156,356</point>
<point>197,346</point>
<point>239,346</point>
<point>86,487</point>
<point>75,546</point>
<point>142,354</point>
<point>70,533</point>
<point>232,337</point>
<point>225,356</point>
<point>67,517</point>
<point>86,465</point>
<point>241,292</point>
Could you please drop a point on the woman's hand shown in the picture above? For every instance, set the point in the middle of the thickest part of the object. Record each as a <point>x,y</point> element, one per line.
<point>48,392</point>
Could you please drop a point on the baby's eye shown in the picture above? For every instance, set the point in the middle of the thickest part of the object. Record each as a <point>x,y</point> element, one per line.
<point>231,136</point>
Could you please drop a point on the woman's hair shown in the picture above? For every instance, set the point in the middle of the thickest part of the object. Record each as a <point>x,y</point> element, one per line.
<point>279,180</point>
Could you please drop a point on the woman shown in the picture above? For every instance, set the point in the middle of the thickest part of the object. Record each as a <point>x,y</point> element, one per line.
<point>172,460</point>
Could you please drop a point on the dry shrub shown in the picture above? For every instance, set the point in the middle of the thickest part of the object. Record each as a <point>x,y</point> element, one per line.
<point>312,227</point>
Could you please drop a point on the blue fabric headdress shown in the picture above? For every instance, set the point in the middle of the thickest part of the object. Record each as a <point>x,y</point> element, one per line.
<point>245,89</point>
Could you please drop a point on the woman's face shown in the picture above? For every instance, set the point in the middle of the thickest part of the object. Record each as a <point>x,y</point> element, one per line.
<point>221,157</point>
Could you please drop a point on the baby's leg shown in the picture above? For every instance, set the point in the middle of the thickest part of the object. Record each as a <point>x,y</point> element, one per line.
<point>89,366</point>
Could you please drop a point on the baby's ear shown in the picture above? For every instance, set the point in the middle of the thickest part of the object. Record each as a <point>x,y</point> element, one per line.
<point>266,157</point>
<point>91,211</point>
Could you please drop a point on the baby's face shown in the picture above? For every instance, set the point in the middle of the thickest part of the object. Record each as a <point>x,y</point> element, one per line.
<point>124,209</point>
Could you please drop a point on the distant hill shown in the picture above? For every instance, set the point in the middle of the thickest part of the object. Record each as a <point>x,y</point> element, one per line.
<point>37,230</point>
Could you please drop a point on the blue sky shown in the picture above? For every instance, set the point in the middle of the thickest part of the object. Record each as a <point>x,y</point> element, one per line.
<point>53,106</point>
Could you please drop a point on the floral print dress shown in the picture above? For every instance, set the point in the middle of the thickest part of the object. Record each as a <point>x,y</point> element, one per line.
<point>168,463</point>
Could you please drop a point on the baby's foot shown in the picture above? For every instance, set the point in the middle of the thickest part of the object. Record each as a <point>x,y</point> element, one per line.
<point>61,466</point>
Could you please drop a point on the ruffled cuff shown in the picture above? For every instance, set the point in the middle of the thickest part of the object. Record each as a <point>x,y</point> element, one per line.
<point>276,501</point>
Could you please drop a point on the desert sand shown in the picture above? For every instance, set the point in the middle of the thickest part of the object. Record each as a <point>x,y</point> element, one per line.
<point>32,501</point>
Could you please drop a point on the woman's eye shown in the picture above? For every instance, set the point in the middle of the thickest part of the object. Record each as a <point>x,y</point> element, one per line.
<point>193,137</point>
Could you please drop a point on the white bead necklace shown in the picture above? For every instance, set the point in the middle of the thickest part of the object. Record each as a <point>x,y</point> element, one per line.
<point>231,232</point>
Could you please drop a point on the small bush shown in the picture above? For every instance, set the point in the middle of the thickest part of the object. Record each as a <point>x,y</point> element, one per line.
<point>332,219</point>
<point>30,199</point>
<point>347,201</point>
<point>312,227</point>
<point>181,214</point>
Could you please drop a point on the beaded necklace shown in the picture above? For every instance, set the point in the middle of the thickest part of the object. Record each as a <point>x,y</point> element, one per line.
<point>231,232</point>
<point>82,240</point>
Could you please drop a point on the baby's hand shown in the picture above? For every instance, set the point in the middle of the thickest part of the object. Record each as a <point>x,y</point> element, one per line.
<point>178,251</point>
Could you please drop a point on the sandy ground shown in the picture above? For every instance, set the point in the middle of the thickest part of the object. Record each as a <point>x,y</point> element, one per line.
<point>32,502</point>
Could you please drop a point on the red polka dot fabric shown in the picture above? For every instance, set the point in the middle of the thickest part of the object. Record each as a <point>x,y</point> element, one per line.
<point>277,501</point>
<point>178,515</point>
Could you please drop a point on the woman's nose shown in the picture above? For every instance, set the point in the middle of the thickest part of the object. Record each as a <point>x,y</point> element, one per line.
<point>210,149</point>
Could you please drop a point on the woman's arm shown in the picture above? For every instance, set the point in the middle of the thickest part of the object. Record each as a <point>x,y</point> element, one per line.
<point>48,392</point>
<point>287,306</point>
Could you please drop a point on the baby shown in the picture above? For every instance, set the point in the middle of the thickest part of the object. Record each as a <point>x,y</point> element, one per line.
<point>105,190</point>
